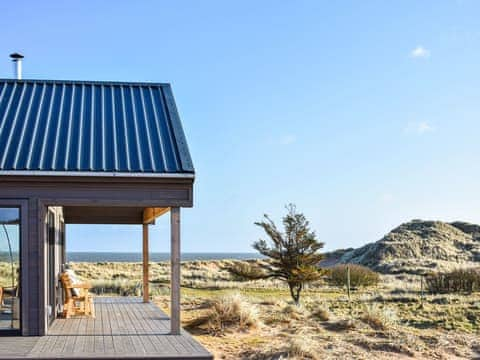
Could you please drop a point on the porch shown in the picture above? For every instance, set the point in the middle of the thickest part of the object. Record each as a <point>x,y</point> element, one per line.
<point>124,328</point>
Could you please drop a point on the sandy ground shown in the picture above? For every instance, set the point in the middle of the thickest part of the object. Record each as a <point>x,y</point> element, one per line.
<point>281,333</point>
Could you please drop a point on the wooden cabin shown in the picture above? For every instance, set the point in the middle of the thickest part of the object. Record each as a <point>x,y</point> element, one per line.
<point>83,152</point>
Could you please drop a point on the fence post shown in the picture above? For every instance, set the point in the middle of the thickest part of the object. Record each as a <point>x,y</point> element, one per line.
<point>348,282</point>
<point>421,290</point>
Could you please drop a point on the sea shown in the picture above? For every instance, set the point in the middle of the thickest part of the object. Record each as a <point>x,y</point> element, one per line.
<point>154,256</point>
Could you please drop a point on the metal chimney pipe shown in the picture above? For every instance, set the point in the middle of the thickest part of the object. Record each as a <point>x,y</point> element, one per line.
<point>17,65</point>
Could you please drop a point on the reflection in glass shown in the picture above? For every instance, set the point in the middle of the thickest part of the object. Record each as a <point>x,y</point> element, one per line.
<point>9,268</point>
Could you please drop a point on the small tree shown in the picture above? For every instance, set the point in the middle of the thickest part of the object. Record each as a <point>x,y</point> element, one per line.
<point>293,254</point>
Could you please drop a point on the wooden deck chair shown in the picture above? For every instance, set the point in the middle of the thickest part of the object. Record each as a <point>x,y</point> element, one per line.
<point>7,291</point>
<point>77,299</point>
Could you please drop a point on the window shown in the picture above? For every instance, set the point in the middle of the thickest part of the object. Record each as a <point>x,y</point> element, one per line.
<point>9,268</point>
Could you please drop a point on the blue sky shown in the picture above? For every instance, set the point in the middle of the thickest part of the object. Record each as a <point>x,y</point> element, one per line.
<point>363,113</point>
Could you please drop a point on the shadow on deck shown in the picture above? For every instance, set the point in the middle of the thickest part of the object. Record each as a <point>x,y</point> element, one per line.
<point>124,328</point>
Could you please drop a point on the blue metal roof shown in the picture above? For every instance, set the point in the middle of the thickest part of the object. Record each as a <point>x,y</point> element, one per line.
<point>87,126</point>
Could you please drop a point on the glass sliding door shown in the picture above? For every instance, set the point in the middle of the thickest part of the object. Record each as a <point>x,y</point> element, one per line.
<point>9,268</point>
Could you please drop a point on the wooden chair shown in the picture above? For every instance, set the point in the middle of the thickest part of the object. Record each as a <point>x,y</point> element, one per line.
<point>77,299</point>
<point>7,291</point>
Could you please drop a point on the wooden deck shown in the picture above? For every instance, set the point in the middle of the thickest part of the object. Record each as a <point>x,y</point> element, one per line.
<point>124,328</point>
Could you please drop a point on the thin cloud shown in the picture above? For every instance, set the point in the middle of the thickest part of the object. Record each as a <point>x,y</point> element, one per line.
<point>424,127</point>
<point>386,198</point>
<point>287,139</point>
<point>419,128</point>
<point>420,52</point>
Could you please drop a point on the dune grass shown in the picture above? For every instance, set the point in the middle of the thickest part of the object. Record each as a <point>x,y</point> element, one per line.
<point>257,320</point>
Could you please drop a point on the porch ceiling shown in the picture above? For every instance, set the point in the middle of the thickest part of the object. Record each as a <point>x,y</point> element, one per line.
<point>111,214</point>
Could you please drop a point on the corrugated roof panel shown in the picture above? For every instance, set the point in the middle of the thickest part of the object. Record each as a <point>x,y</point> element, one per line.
<point>83,126</point>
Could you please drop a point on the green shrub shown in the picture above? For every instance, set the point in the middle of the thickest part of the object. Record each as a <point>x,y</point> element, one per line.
<point>455,281</point>
<point>359,276</point>
<point>243,271</point>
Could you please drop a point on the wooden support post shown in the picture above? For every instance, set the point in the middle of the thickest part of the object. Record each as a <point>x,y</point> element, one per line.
<point>146,292</point>
<point>175,271</point>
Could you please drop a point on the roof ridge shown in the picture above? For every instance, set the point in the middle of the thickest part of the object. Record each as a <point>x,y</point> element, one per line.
<point>87,82</point>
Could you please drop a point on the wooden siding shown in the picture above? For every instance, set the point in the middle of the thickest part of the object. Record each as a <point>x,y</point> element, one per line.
<point>35,270</point>
<point>124,328</point>
<point>103,215</point>
<point>105,191</point>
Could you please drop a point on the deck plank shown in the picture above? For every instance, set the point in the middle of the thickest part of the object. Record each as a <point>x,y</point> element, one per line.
<point>99,344</point>
<point>124,327</point>
<point>117,341</point>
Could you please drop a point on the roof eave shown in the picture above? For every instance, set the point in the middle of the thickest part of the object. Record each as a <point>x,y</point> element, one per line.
<point>97,174</point>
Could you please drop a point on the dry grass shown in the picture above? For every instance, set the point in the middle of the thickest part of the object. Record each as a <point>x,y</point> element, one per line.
<point>378,317</point>
<point>6,273</point>
<point>342,325</point>
<point>296,312</point>
<point>195,274</point>
<point>303,347</point>
<point>322,314</point>
<point>267,326</point>
<point>229,312</point>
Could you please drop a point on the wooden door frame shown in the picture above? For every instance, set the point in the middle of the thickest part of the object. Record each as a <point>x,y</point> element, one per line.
<point>51,283</point>
<point>22,204</point>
